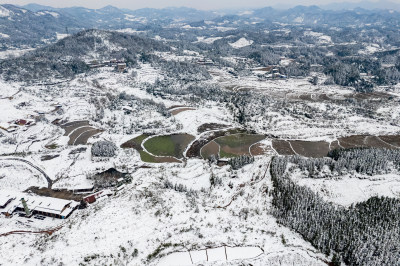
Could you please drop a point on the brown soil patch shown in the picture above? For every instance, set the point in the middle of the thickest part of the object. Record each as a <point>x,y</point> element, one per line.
<point>82,139</point>
<point>55,193</point>
<point>166,160</point>
<point>180,110</point>
<point>49,157</point>
<point>210,126</point>
<point>352,141</point>
<point>238,144</point>
<point>261,149</point>
<point>241,150</point>
<point>374,141</point>
<point>266,69</point>
<point>282,147</point>
<point>324,97</point>
<point>315,149</point>
<point>69,127</point>
<point>391,139</point>
<point>211,148</point>
<point>334,145</point>
<point>305,97</point>
<point>77,133</point>
<point>176,106</point>
<point>194,150</point>
<point>357,141</point>
<point>372,96</point>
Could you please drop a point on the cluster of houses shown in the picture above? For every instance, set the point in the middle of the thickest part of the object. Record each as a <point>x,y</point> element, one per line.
<point>118,64</point>
<point>205,62</point>
<point>272,72</point>
<point>13,126</point>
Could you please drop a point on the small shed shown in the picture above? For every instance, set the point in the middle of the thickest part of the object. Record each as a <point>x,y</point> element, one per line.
<point>121,67</point>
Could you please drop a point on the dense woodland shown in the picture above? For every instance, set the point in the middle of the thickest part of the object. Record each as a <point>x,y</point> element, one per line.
<point>103,149</point>
<point>366,233</point>
<point>344,59</point>
<point>364,161</point>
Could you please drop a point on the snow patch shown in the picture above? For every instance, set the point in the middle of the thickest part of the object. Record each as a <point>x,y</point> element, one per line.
<point>4,12</point>
<point>242,42</point>
<point>208,40</point>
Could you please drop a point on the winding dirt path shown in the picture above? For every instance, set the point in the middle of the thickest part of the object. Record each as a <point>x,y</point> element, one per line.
<point>241,186</point>
<point>49,231</point>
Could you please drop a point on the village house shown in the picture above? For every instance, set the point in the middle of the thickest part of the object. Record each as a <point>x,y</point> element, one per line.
<point>37,205</point>
<point>121,67</point>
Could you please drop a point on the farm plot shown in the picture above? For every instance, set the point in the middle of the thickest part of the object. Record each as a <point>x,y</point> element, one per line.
<point>71,126</point>
<point>210,126</point>
<point>334,145</point>
<point>315,149</point>
<point>169,145</point>
<point>238,144</point>
<point>391,139</point>
<point>136,143</point>
<point>363,141</point>
<point>84,137</point>
<point>79,132</point>
<point>211,148</point>
<point>195,148</point>
<point>181,109</point>
<point>318,149</point>
<point>56,193</point>
<point>310,97</point>
<point>282,147</point>
<point>261,149</point>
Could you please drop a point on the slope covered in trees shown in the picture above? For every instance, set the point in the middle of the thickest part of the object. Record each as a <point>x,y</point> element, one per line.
<point>367,233</point>
<point>67,57</point>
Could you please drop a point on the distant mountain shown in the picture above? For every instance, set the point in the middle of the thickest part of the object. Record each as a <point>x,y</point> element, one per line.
<point>37,7</point>
<point>34,24</point>
<point>314,15</point>
<point>19,26</point>
<point>175,13</point>
<point>363,4</point>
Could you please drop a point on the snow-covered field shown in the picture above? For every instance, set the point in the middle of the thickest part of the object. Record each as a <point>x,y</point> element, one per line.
<point>156,222</point>
<point>349,190</point>
<point>242,42</point>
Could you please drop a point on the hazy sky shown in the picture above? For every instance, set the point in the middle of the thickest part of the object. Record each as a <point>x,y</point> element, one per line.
<point>202,4</point>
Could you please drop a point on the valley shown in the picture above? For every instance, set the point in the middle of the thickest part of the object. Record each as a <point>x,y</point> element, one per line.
<point>202,139</point>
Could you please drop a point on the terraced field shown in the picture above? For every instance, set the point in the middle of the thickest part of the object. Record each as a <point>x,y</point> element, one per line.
<point>321,148</point>
<point>70,126</point>
<point>136,143</point>
<point>168,145</point>
<point>315,149</point>
<point>261,149</point>
<point>211,126</point>
<point>282,147</point>
<point>236,145</point>
<point>79,132</point>
<point>211,148</point>
<point>181,109</point>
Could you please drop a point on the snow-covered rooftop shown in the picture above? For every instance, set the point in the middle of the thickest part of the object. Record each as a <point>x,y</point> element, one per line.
<point>44,204</point>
